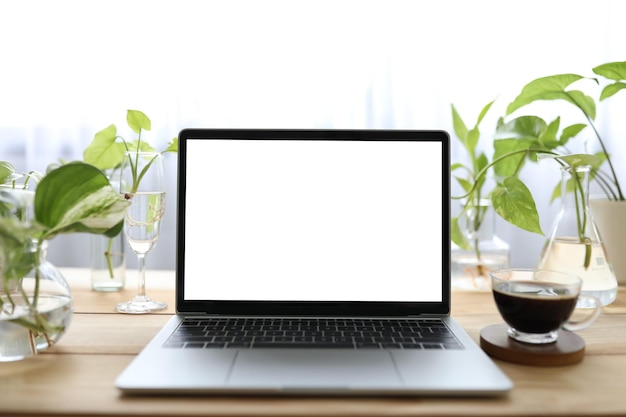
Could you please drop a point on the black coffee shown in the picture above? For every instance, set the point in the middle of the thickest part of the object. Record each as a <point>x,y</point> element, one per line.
<point>530,308</point>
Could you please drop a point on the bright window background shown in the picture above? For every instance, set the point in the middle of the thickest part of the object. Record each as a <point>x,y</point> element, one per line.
<point>71,68</point>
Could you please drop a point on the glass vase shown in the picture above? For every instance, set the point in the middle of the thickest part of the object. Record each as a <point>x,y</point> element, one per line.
<point>36,307</point>
<point>487,252</point>
<point>574,244</point>
<point>108,263</point>
<point>108,255</point>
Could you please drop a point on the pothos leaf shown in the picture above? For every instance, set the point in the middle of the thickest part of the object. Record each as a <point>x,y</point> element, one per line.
<point>570,131</point>
<point>545,88</point>
<point>78,197</point>
<point>513,202</point>
<point>576,160</point>
<point>104,151</point>
<point>137,121</point>
<point>611,90</point>
<point>612,70</point>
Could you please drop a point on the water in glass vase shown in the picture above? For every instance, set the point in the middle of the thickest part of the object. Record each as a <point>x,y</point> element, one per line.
<point>143,220</point>
<point>470,272</point>
<point>470,267</point>
<point>567,254</point>
<point>17,341</point>
<point>108,263</point>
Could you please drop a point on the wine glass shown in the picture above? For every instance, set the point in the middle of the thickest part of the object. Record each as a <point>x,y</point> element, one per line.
<point>142,184</point>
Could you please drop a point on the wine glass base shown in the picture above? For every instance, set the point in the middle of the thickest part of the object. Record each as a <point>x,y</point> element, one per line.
<point>140,305</point>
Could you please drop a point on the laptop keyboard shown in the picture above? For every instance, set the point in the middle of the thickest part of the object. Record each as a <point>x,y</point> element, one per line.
<point>253,333</point>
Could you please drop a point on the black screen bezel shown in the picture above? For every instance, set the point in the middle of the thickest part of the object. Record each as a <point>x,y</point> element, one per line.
<point>312,308</point>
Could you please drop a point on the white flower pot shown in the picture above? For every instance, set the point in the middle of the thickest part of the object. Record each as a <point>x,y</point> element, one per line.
<point>610,217</point>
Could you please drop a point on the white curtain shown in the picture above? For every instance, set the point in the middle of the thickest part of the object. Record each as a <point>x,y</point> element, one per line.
<point>71,68</point>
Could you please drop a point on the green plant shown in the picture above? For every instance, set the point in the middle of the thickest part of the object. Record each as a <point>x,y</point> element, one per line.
<point>469,138</point>
<point>557,87</point>
<point>531,138</point>
<point>76,197</point>
<point>106,151</point>
<point>510,197</point>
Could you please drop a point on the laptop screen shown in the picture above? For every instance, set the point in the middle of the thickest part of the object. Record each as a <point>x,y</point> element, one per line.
<point>312,217</point>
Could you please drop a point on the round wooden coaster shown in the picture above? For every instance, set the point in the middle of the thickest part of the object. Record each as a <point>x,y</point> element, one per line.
<point>567,350</point>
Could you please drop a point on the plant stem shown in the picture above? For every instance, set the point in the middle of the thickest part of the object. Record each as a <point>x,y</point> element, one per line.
<point>109,258</point>
<point>581,221</point>
<point>484,171</point>
<point>37,273</point>
<point>604,150</point>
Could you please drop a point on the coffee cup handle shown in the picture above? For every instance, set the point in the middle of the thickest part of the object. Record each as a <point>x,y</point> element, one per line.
<point>595,304</point>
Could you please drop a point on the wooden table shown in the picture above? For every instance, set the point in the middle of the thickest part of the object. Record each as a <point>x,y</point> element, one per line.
<point>76,376</point>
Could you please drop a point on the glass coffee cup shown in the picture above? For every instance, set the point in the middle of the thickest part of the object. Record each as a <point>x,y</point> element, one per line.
<point>537,303</point>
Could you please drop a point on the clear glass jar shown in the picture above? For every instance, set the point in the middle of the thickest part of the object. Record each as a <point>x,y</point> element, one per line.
<point>36,308</point>
<point>574,244</point>
<point>487,252</point>
<point>108,256</point>
<point>108,263</point>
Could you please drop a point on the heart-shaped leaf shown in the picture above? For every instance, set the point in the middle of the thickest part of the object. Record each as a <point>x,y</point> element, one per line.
<point>513,202</point>
<point>137,121</point>
<point>78,197</point>
<point>105,152</point>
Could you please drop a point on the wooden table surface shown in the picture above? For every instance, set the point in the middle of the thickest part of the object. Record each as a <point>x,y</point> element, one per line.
<point>76,377</point>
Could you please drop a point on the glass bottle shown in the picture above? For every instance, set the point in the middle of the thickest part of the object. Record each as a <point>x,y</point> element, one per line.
<point>574,244</point>
<point>108,257</point>
<point>28,327</point>
<point>487,252</point>
<point>108,263</point>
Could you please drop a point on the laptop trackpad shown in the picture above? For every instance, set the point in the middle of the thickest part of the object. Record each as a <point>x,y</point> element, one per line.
<point>313,370</point>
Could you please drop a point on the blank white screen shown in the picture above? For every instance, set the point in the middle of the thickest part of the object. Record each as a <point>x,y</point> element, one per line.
<point>313,220</point>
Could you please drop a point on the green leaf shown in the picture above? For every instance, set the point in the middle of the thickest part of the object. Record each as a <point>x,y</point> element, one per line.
<point>612,70</point>
<point>583,102</point>
<point>611,89</point>
<point>457,235</point>
<point>455,166</point>
<point>137,121</point>
<point>460,129</point>
<point>115,230</point>
<point>6,172</point>
<point>481,162</point>
<point>514,203</point>
<point>510,164</point>
<point>483,112</point>
<point>545,88</point>
<point>583,159</point>
<point>105,152</point>
<point>601,158</point>
<point>78,197</point>
<point>522,127</point>
<point>472,139</point>
<point>467,185</point>
<point>548,139</point>
<point>570,187</point>
<point>172,146</point>
<point>570,132</point>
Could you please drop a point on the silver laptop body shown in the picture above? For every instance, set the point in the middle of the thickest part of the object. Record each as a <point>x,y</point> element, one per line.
<point>328,229</point>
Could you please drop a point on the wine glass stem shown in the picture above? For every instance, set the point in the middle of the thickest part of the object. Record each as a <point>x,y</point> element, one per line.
<point>141,284</point>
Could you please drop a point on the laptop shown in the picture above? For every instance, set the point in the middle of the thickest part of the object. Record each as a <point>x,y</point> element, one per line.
<point>313,262</point>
